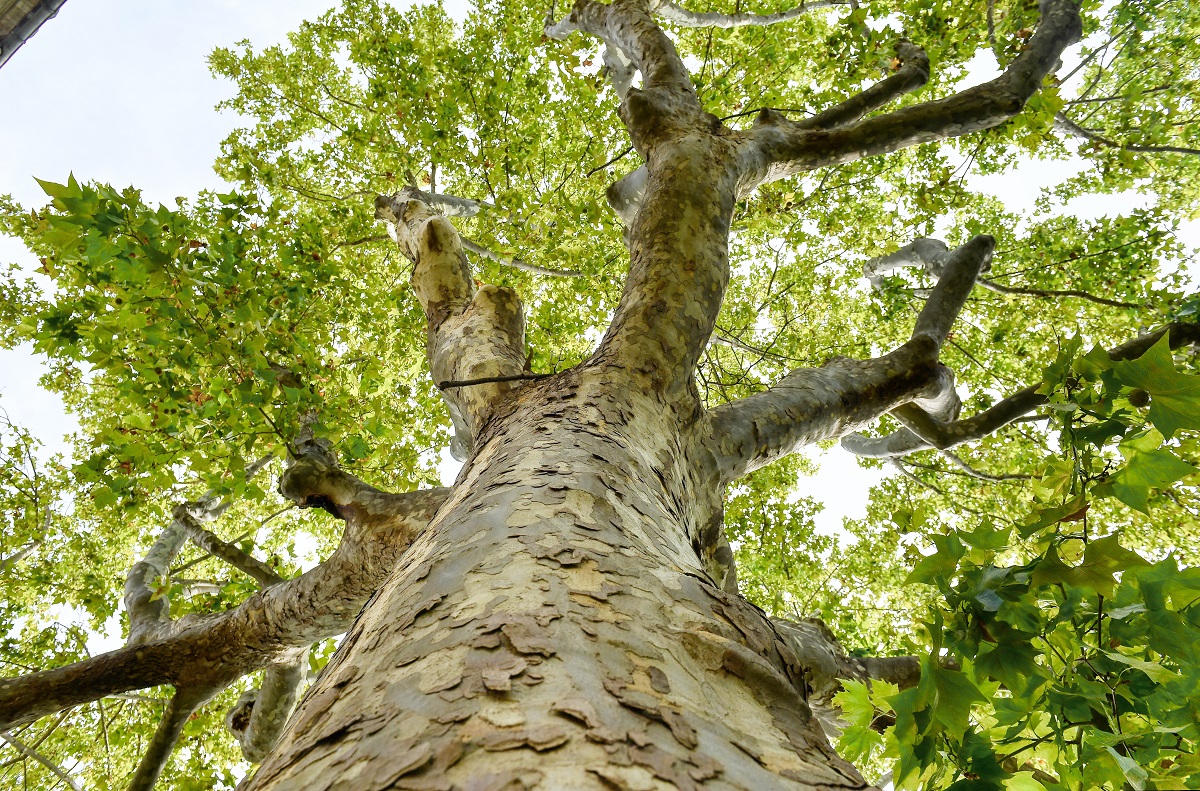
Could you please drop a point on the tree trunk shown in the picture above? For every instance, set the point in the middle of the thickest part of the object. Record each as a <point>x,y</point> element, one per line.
<point>555,628</point>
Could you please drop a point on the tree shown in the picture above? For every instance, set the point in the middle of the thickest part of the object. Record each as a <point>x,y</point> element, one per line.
<point>567,613</point>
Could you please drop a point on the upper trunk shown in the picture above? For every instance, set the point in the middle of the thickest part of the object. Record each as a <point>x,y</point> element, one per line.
<point>555,628</point>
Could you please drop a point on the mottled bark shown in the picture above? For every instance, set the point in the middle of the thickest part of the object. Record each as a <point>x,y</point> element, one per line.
<point>260,713</point>
<point>567,615</point>
<point>472,333</point>
<point>555,628</point>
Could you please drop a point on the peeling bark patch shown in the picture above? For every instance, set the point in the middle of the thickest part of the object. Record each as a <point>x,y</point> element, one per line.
<point>581,640</point>
<point>541,739</point>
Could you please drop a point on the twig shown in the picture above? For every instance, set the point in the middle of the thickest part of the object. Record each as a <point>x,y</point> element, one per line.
<point>515,263</point>
<point>487,380</point>
<point>26,750</point>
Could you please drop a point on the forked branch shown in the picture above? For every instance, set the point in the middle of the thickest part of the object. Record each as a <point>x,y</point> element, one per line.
<point>777,147</point>
<point>212,651</point>
<point>473,333</point>
<point>813,404</point>
<point>923,431</point>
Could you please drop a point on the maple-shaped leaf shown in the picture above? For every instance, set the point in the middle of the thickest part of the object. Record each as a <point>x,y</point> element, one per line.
<point>1145,471</point>
<point>1174,397</point>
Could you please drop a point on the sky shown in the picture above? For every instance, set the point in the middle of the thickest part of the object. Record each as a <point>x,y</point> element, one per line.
<point>119,91</point>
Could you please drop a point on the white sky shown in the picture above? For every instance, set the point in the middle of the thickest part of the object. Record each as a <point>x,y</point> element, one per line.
<point>119,91</point>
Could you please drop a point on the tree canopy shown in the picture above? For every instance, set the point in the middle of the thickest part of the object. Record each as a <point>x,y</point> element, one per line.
<point>1044,573</point>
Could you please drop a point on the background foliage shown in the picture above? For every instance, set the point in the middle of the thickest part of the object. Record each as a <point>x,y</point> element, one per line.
<point>190,340</point>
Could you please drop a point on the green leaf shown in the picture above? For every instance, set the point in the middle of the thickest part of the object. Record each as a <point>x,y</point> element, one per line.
<point>1174,397</point>
<point>1023,781</point>
<point>1152,669</point>
<point>986,536</point>
<point>939,565</point>
<point>1142,472</point>
<point>1135,774</point>
<point>955,695</point>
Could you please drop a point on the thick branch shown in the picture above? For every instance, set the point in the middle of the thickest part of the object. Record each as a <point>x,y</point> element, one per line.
<point>810,405</point>
<point>214,650</point>
<point>162,744</point>
<point>235,556</point>
<point>625,195</point>
<point>928,254</point>
<point>931,254</point>
<point>628,26</point>
<point>813,404</point>
<point>685,18</point>
<point>924,431</point>
<point>827,664</point>
<point>148,609</point>
<point>472,334</point>
<point>260,714</point>
<point>451,205</point>
<point>959,273</point>
<point>9,561</point>
<point>912,74</point>
<point>776,147</point>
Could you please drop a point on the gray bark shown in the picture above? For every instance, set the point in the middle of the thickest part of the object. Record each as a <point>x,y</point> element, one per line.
<point>685,18</point>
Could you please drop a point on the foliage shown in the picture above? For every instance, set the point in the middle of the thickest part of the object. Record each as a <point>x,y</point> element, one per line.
<point>1077,655</point>
<point>193,340</point>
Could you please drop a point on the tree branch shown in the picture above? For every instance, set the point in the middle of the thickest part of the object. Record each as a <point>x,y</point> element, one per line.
<point>827,663</point>
<point>162,744</point>
<point>685,18</point>
<point>147,607</point>
<point>931,254</point>
<point>1065,124</point>
<point>149,610</point>
<point>516,263</point>
<point>923,431</point>
<point>451,205</point>
<point>214,650</point>
<point>54,768</point>
<point>959,272</point>
<point>241,560</point>
<point>625,195</point>
<point>260,714</point>
<point>813,404</point>
<point>472,333</point>
<point>991,285</point>
<point>776,147</point>
<point>911,75</point>
<point>667,100</point>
